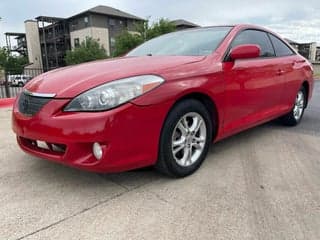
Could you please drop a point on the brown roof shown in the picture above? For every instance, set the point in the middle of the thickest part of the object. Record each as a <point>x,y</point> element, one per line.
<point>106,10</point>
<point>182,22</point>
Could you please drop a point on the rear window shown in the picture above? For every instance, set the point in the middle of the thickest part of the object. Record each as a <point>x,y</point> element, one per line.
<point>280,47</point>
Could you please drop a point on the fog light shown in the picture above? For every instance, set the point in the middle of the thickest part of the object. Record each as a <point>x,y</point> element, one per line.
<point>97,150</point>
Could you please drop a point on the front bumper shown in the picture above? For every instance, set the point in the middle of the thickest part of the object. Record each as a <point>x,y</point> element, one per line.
<point>128,134</point>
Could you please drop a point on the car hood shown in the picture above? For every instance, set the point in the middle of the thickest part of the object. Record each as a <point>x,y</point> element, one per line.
<point>68,82</point>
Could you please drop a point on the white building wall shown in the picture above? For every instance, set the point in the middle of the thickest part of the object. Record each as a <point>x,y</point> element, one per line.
<point>99,34</point>
<point>33,44</point>
<point>313,51</point>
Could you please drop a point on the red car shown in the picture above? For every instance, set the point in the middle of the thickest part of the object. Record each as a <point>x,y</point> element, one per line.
<point>164,102</point>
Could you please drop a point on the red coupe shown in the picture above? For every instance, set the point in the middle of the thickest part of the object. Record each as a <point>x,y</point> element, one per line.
<point>164,102</point>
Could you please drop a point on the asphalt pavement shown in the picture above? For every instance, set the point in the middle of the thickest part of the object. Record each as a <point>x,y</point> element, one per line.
<point>263,183</point>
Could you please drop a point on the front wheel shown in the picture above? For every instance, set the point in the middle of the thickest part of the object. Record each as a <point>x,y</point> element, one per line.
<point>294,117</point>
<point>185,139</point>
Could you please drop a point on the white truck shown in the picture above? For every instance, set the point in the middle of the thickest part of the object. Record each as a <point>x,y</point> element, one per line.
<point>18,80</point>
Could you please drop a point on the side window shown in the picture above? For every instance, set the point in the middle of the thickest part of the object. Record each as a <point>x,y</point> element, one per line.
<point>112,22</point>
<point>280,47</point>
<point>255,37</point>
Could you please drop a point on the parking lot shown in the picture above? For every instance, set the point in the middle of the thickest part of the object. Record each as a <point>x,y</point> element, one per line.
<point>263,183</point>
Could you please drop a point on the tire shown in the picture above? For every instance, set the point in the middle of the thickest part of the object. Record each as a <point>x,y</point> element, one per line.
<point>189,126</point>
<point>20,84</point>
<point>294,117</point>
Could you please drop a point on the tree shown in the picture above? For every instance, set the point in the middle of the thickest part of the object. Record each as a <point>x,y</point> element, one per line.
<point>161,27</point>
<point>12,64</point>
<point>88,50</point>
<point>127,41</point>
<point>3,57</point>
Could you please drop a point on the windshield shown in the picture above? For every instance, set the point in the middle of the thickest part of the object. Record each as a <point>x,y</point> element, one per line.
<point>197,42</point>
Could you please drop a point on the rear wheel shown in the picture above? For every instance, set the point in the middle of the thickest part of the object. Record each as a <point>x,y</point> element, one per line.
<point>294,117</point>
<point>185,139</point>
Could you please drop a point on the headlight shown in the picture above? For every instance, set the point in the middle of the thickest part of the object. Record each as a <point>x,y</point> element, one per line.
<point>114,93</point>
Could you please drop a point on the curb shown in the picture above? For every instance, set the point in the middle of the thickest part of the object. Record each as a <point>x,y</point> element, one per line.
<point>6,102</point>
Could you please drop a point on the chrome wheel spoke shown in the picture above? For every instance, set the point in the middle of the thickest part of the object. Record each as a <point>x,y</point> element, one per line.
<point>185,124</point>
<point>197,145</point>
<point>178,148</point>
<point>196,125</point>
<point>182,128</point>
<point>184,159</point>
<point>179,142</point>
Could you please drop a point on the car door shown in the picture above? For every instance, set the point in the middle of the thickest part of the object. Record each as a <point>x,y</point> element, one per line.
<point>292,70</point>
<point>253,86</point>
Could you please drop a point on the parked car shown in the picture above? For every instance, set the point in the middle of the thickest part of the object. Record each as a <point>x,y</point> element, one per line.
<point>165,101</point>
<point>18,80</point>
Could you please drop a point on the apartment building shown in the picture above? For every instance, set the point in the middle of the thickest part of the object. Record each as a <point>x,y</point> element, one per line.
<point>48,38</point>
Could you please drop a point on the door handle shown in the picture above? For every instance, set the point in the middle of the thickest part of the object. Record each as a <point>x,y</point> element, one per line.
<point>298,61</point>
<point>280,72</point>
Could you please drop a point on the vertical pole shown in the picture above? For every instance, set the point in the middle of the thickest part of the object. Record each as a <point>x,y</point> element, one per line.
<point>45,45</point>
<point>55,43</point>
<point>7,42</point>
<point>10,44</point>
<point>6,84</point>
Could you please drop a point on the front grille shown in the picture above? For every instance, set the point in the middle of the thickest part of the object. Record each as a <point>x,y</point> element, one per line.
<point>30,105</point>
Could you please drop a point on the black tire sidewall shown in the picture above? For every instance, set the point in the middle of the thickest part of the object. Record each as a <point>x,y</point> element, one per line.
<point>172,119</point>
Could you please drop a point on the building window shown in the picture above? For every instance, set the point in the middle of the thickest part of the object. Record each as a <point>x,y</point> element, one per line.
<point>112,22</point>
<point>86,21</point>
<point>74,24</point>
<point>76,42</point>
<point>112,42</point>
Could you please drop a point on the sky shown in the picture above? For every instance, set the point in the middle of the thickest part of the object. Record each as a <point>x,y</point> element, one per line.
<point>296,20</point>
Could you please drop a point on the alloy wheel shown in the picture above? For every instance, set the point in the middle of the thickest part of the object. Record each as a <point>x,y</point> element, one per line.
<point>188,139</point>
<point>299,105</point>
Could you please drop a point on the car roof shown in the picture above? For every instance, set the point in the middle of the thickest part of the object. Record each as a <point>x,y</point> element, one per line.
<point>244,26</point>
<point>238,27</point>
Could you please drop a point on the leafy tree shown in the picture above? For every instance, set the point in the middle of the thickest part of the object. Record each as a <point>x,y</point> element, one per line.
<point>3,57</point>
<point>127,41</point>
<point>12,64</point>
<point>88,50</point>
<point>161,27</point>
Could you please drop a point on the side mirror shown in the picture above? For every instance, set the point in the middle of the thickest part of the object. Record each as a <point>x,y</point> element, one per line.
<point>245,51</point>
